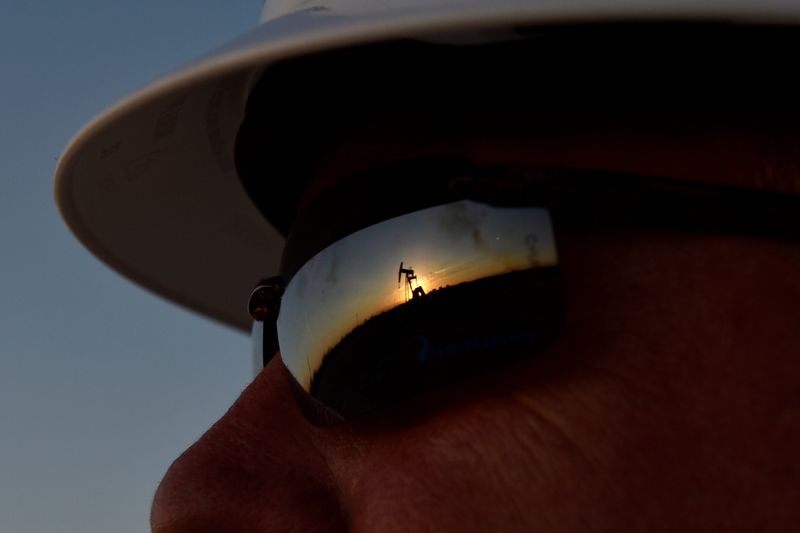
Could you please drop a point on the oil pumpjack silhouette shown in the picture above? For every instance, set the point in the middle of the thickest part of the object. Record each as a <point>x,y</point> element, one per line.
<point>414,292</point>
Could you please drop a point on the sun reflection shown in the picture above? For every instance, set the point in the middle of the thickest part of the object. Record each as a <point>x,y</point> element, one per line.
<point>385,266</point>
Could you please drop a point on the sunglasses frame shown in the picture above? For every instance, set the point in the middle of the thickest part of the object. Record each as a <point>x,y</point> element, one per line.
<point>576,199</point>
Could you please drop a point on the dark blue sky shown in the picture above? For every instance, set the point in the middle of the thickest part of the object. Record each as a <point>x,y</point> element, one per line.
<point>102,385</point>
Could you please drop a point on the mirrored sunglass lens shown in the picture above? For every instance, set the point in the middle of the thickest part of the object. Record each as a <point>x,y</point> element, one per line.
<point>418,300</point>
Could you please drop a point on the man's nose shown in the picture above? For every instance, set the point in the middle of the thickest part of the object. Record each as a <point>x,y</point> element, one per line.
<point>257,469</point>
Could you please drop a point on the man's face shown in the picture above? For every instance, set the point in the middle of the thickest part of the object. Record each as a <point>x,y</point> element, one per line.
<point>670,403</point>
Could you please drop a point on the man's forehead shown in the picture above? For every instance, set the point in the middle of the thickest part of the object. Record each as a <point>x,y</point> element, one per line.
<point>723,146</point>
<point>541,100</point>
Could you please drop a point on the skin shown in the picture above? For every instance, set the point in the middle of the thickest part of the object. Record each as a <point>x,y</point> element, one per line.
<point>669,404</point>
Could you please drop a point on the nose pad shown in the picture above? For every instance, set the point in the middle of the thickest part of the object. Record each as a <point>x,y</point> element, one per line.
<point>259,468</point>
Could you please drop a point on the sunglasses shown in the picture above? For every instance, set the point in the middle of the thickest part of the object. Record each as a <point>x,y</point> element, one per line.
<point>451,290</point>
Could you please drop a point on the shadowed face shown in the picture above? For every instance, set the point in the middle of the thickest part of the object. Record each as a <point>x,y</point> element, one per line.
<point>669,403</point>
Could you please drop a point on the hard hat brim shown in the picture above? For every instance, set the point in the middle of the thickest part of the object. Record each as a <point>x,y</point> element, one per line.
<point>150,185</point>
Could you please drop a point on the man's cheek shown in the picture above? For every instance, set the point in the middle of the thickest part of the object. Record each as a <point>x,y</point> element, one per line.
<point>518,462</point>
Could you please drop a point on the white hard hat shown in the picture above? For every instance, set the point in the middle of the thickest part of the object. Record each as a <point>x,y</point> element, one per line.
<point>150,186</point>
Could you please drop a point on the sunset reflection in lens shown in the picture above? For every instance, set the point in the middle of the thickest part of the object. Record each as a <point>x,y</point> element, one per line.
<point>401,262</point>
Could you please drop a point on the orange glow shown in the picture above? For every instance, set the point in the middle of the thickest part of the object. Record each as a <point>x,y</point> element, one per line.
<point>357,278</point>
